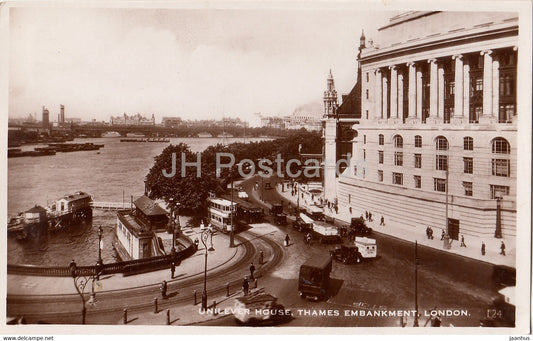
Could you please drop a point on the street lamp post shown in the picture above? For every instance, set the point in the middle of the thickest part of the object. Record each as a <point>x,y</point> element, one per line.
<point>297,198</point>
<point>232,232</point>
<point>415,323</point>
<point>261,188</point>
<point>205,235</point>
<point>100,262</point>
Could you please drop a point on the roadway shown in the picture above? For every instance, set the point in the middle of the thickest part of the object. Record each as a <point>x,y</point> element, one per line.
<point>445,281</point>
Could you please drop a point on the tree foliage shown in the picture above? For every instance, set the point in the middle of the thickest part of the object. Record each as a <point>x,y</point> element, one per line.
<point>191,191</point>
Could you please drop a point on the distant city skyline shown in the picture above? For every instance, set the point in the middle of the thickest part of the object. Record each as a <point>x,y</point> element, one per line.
<point>189,63</point>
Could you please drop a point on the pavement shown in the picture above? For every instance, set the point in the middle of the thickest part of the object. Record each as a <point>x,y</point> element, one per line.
<point>418,233</point>
<point>194,265</point>
<point>219,306</point>
<point>180,314</point>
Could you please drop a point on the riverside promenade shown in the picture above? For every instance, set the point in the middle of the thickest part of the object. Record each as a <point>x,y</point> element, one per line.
<point>418,233</point>
<point>33,293</point>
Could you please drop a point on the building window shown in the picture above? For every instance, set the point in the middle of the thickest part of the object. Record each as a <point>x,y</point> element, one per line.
<point>367,78</point>
<point>418,160</point>
<point>418,181</point>
<point>355,170</point>
<point>439,185</point>
<point>506,112</point>
<point>441,162</point>
<point>468,188</point>
<point>468,143</point>
<point>380,175</point>
<point>418,141</point>
<point>398,158</point>
<point>366,93</point>
<point>500,146</point>
<point>468,165</point>
<point>397,178</point>
<point>479,84</point>
<point>364,154</point>
<point>451,89</point>
<point>398,141</point>
<point>349,198</point>
<point>441,143</point>
<point>366,114</point>
<point>501,167</point>
<point>380,156</point>
<point>364,139</point>
<point>497,191</point>
<point>381,139</point>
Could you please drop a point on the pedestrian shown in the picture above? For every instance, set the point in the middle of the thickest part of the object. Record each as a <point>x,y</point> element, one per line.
<point>502,248</point>
<point>382,222</point>
<point>287,240</point>
<point>164,289</point>
<point>260,257</point>
<point>72,268</point>
<point>308,238</point>
<point>370,216</point>
<point>482,248</point>
<point>245,285</point>
<point>442,235</point>
<point>172,269</point>
<point>430,233</point>
<point>366,215</point>
<point>252,269</point>
<point>463,241</point>
<point>336,209</point>
<point>350,210</point>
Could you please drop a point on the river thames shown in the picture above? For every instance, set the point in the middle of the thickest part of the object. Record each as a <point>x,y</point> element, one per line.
<point>114,173</point>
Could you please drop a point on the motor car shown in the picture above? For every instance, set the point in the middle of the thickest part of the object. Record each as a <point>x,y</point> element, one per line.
<point>346,254</point>
<point>259,308</point>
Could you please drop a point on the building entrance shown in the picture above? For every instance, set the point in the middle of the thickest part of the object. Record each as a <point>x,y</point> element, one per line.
<point>453,228</point>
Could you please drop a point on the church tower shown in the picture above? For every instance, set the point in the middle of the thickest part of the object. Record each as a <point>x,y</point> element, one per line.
<point>330,138</point>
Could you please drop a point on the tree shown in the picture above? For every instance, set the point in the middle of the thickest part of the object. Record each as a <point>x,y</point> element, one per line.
<point>191,191</point>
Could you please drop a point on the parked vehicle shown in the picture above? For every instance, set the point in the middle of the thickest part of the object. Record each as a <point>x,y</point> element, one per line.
<point>259,308</point>
<point>346,254</point>
<point>367,247</point>
<point>315,212</point>
<point>314,278</point>
<point>303,223</point>
<point>325,233</point>
<point>277,212</point>
<point>358,227</point>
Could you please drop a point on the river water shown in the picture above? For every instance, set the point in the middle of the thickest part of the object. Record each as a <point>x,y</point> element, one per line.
<point>114,173</point>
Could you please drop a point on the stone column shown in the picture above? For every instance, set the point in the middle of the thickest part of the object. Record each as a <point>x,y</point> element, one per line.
<point>440,95</point>
<point>412,89</point>
<point>400,96</point>
<point>385,97</point>
<point>458,105</point>
<point>394,91</point>
<point>378,101</point>
<point>433,91</point>
<point>466,91</point>
<point>487,83</point>
<point>419,94</point>
<point>496,88</point>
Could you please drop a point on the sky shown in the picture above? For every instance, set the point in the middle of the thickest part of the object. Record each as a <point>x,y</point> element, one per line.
<point>191,63</point>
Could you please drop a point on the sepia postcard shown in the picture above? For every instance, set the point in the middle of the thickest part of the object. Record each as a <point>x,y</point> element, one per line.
<point>239,167</point>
